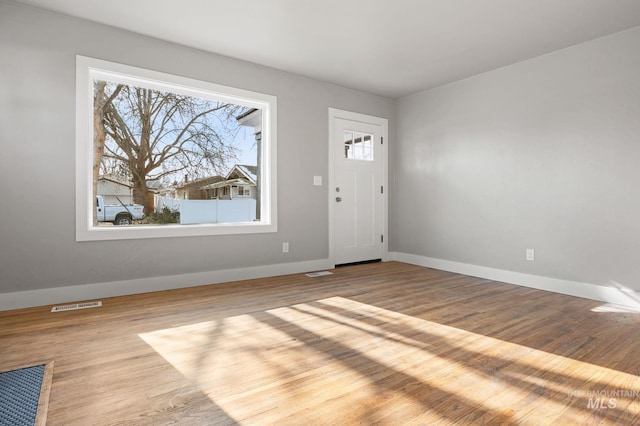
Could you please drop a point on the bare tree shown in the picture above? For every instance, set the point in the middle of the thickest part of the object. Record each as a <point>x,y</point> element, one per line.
<point>115,168</point>
<point>160,134</point>
<point>101,100</point>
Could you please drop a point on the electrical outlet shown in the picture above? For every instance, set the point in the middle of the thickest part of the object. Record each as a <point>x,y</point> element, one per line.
<point>530,255</point>
<point>285,247</point>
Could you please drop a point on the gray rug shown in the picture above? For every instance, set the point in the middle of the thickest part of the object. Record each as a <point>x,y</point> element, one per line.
<point>20,395</point>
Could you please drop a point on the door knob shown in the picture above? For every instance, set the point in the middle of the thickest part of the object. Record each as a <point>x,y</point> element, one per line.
<point>338,199</point>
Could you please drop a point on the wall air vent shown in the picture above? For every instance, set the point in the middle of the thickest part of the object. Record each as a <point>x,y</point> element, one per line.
<point>76,306</point>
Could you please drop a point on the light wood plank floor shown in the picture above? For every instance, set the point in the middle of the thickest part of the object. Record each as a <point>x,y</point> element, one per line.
<point>385,343</point>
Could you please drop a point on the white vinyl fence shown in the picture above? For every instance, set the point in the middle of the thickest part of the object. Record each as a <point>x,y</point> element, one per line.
<point>172,204</point>
<point>217,211</point>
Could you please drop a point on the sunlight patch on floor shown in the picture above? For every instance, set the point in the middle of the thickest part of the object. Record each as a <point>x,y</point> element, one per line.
<point>374,363</point>
<point>612,308</point>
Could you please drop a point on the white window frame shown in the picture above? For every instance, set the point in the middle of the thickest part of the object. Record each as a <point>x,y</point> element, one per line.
<point>88,69</point>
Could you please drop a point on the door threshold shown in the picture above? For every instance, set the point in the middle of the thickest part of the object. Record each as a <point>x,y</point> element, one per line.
<point>361,262</point>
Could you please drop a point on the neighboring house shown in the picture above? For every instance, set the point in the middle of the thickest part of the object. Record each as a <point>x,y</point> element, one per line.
<point>166,191</point>
<point>113,188</point>
<point>190,190</point>
<point>240,183</point>
<point>116,189</point>
<point>169,197</point>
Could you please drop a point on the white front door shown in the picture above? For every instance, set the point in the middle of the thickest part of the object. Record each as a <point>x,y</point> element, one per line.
<point>357,191</point>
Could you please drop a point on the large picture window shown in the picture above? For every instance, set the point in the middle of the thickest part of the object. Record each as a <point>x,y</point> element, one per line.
<point>160,155</point>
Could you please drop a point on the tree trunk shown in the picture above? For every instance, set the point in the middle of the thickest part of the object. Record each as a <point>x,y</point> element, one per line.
<point>100,104</point>
<point>140,193</point>
<point>99,137</point>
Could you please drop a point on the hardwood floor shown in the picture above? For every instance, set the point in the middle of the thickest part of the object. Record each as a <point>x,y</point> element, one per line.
<point>385,343</point>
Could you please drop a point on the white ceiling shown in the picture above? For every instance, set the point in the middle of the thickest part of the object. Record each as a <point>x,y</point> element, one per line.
<point>387,47</point>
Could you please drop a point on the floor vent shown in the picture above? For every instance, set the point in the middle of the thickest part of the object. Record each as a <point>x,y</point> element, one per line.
<point>318,274</point>
<point>76,306</point>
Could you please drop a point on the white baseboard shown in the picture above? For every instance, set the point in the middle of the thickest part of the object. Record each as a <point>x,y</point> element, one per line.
<point>613,295</point>
<point>83,292</point>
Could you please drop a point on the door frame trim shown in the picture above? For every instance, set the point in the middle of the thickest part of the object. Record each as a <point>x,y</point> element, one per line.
<point>334,114</point>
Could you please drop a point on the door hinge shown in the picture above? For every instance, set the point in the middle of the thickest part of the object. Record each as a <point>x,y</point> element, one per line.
<point>381,140</point>
<point>382,189</point>
<point>382,238</point>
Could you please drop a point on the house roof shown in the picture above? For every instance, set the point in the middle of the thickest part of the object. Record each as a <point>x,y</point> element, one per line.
<point>116,179</point>
<point>243,170</point>
<point>246,114</point>
<point>229,182</point>
<point>200,182</point>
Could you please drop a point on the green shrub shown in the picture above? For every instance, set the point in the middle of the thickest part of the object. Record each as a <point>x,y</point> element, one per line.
<point>164,216</point>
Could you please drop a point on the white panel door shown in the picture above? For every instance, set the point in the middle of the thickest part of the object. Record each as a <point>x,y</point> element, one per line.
<point>357,192</point>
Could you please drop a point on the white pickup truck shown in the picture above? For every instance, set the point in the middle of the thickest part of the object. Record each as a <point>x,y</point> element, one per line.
<point>118,214</point>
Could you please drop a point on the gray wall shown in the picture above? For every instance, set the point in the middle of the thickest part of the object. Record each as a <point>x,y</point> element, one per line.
<point>37,177</point>
<point>543,154</point>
